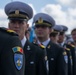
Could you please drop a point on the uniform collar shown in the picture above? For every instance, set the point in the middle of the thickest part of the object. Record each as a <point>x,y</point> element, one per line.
<point>45,43</point>
<point>61,44</point>
<point>23,41</point>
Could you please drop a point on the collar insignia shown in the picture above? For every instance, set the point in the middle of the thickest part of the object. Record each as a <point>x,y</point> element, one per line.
<point>48,47</point>
<point>28,47</point>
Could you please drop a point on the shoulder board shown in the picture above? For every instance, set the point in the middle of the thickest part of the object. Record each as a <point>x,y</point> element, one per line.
<point>69,43</point>
<point>67,49</point>
<point>42,46</point>
<point>6,30</point>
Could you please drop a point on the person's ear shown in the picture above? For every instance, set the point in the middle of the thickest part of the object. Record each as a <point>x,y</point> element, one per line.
<point>50,30</point>
<point>27,26</point>
<point>8,25</point>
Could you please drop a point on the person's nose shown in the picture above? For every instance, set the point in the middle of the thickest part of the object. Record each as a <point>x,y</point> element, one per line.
<point>17,25</point>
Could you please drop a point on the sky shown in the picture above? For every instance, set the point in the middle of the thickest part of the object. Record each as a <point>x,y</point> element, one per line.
<point>63,11</point>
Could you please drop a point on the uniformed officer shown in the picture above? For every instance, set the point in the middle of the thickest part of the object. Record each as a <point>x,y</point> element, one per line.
<point>70,60</point>
<point>57,29</point>
<point>61,39</point>
<point>19,14</point>
<point>55,33</point>
<point>55,55</point>
<point>72,46</point>
<point>73,33</point>
<point>63,44</point>
<point>11,53</point>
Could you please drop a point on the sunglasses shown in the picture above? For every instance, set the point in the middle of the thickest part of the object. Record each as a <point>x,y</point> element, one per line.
<point>40,26</point>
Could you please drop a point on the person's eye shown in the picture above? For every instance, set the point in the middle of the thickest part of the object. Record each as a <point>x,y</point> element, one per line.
<point>21,22</point>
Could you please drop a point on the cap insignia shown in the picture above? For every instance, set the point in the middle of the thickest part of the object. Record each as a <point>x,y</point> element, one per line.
<point>40,20</point>
<point>17,12</point>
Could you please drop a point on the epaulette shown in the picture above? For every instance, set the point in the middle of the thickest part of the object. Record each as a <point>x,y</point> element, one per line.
<point>67,49</point>
<point>42,46</point>
<point>9,31</point>
<point>69,43</point>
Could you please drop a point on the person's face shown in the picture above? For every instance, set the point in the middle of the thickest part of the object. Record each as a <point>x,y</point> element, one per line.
<point>42,31</point>
<point>74,35</point>
<point>61,38</point>
<point>18,26</point>
<point>55,38</point>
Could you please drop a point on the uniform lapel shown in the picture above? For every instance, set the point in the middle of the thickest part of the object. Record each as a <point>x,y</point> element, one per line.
<point>49,50</point>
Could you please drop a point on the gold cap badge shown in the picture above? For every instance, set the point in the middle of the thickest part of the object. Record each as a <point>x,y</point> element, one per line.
<point>17,12</point>
<point>40,20</point>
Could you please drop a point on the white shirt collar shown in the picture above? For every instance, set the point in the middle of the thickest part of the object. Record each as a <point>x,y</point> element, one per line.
<point>23,41</point>
<point>61,44</point>
<point>45,43</point>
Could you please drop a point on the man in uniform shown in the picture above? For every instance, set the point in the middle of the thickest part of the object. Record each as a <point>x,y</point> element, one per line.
<point>55,55</point>
<point>57,29</point>
<point>72,46</point>
<point>61,40</point>
<point>65,45</point>
<point>11,53</point>
<point>19,14</point>
<point>55,33</point>
<point>73,33</point>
